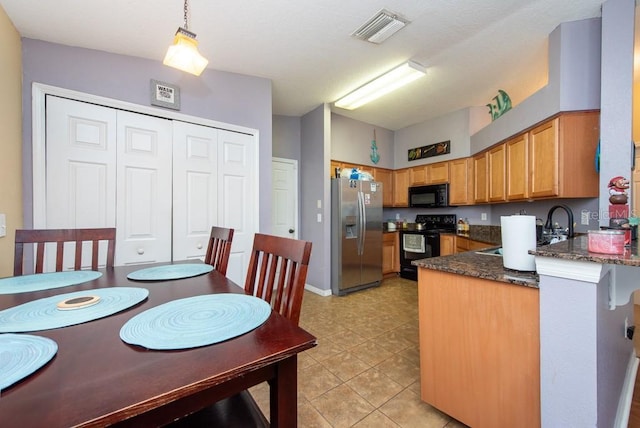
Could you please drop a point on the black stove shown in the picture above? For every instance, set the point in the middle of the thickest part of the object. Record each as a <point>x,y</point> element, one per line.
<point>424,243</point>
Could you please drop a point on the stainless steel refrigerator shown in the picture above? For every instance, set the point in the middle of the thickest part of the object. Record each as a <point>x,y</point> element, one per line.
<point>356,235</point>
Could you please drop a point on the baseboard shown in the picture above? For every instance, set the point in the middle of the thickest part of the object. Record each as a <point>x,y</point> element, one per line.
<point>626,396</point>
<point>316,290</point>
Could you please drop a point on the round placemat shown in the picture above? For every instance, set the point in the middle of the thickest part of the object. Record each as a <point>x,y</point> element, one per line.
<point>43,314</point>
<point>21,355</point>
<point>167,272</point>
<point>195,321</point>
<point>46,281</point>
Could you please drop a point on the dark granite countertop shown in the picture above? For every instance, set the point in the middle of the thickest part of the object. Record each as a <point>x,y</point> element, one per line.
<point>477,265</point>
<point>577,249</point>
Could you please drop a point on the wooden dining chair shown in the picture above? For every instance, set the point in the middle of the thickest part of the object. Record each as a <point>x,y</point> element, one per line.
<point>219,248</point>
<point>277,273</point>
<point>41,237</point>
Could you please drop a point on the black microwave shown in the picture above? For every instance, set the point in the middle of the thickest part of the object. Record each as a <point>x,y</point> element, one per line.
<point>430,196</point>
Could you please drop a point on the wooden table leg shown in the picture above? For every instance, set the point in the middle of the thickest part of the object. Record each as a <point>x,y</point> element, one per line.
<point>284,394</point>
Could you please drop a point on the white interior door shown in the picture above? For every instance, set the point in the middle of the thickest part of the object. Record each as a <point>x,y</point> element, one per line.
<point>80,170</point>
<point>284,205</point>
<point>238,197</point>
<point>144,189</point>
<point>195,188</point>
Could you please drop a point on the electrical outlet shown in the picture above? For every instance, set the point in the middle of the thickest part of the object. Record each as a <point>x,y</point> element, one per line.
<point>319,218</point>
<point>626,327</point>
<point>483,216</point>
<point>3,225</point>
<point>585,218</point>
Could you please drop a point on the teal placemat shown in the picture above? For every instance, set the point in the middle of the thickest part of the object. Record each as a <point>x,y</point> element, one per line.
<point>21,355</point>
<point>46,281</point>
<point>195,321</point>
<point>43,314</point>
<point>167,272</point>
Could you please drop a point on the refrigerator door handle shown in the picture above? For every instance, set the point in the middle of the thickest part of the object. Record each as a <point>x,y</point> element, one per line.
<point>360,223</point>
<point>364,223</point>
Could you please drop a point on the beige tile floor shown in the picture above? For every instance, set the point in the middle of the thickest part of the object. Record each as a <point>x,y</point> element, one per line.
<point>365,370</point>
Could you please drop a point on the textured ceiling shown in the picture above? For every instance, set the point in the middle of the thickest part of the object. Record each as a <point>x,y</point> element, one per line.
<point>472,48</point>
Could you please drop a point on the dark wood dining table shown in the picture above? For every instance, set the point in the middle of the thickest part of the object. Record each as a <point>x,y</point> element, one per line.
<point>96,379</point>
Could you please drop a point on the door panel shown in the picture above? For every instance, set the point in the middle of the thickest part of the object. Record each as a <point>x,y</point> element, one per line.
<point>195,162</point>
<point>144,188</point>
<point>284,207</point>
<point>238,197</point>
<point>80,170</point>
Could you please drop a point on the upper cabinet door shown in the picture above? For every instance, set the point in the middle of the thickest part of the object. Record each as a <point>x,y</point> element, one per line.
<point>496,159</point>
<point>518,167</point>
<point>543,159</point>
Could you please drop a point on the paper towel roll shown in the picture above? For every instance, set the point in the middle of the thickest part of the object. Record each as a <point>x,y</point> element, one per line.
<point>518,237</point>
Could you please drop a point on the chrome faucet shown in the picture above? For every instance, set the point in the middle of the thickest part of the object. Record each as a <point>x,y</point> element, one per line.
<point>549,225</point>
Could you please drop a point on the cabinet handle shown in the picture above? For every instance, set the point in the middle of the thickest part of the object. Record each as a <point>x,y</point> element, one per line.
<point>141,251</point>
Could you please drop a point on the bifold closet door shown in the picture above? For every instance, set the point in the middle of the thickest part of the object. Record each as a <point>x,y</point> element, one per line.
<point>195,188</point>
<point>80,171</point>
<point>106,168</point>
<point>143,208</point>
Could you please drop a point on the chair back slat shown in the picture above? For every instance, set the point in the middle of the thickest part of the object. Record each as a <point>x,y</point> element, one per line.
<point>277,273</point>
<point>40,237</point>
<point>219,248</point>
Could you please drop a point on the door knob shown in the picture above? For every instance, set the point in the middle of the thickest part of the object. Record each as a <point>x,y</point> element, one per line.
<point>199,246</point>
<point>141,251</point>
<point>291,230</point>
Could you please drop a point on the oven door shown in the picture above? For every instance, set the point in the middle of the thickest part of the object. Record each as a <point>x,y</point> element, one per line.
<point>418,245</point>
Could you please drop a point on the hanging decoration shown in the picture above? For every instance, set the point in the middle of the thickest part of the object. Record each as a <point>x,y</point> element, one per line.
<point>375,156</point>
<point>436,149</point>
<point>501,105</point>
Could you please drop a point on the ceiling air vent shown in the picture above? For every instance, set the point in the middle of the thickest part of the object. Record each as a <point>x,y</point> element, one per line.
<point>383,25</point>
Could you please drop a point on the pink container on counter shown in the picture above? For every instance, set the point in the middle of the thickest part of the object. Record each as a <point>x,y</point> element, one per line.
<point>606,241</point>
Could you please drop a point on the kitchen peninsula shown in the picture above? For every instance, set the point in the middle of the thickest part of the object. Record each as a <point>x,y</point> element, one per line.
<point>506,348</point>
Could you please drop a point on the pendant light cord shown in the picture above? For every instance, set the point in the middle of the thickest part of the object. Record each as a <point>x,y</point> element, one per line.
<point>186,23</point>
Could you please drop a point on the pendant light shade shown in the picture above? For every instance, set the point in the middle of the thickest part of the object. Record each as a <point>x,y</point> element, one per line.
<point>183,53</point>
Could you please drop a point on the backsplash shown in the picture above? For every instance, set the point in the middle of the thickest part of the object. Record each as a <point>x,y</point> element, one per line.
<point>489,234</point>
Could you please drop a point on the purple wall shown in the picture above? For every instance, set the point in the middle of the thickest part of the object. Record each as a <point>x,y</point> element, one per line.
<point>215,95</point>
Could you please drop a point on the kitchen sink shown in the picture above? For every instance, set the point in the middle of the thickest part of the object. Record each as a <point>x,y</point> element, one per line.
<point>491,252</point>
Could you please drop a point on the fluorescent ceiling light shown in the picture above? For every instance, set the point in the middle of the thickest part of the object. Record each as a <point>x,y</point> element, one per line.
<point>390,81</point>
<point>183,53</point>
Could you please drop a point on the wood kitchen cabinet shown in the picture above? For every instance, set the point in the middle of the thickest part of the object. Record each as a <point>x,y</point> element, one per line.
<point>447,244</point>
<point>465,244</point>
<point>401,187</point>
<point>561,156</point>
<point>480,179</point>
<point>385,176</point>
<point>479,349</point>
<point>496,164</point>
<point>390,253</point>
<point>518,167</point>
<point>461,181</point>
<point>434,173</point>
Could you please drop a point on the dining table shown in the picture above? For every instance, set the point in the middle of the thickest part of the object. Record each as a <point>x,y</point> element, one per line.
<point>96,379</point>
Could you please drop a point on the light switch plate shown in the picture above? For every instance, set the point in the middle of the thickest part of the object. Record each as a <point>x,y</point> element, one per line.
<point>3,225</point>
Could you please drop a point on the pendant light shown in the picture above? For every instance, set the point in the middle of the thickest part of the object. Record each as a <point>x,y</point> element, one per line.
<point>183,53</point>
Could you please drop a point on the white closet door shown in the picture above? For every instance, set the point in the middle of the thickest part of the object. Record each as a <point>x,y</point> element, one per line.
<point>238,197</point>
<point>144,189</point>
<point>195,188</point>
<point>80,169</point>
